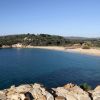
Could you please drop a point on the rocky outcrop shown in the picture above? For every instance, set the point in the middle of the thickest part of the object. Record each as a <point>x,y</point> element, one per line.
<point>26,92</point>
<point>38,92</point>
<point>18,45</point>
<point>6,46</point>
<point>72,92</point>
<point>96,93</point>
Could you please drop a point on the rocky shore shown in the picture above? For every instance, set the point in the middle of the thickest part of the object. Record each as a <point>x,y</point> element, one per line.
<point>38,92</point>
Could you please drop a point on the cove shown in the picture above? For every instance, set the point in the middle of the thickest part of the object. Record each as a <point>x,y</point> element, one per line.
<point>51,68</point>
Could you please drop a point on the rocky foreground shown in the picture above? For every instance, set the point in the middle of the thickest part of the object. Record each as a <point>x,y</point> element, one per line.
<point>38,92</point>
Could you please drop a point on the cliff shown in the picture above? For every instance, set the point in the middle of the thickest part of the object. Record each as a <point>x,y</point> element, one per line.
<point>38,92</point>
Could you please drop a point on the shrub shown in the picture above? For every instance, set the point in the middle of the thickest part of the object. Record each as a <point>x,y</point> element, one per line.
<point>85,46</point>
<point>0,45</point>
<point>85,87</point>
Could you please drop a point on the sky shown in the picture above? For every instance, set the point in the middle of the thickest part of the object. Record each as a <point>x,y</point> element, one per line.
<point>59,17</point>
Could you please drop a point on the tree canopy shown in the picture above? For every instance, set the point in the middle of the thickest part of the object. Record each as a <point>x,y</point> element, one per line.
<point>45,40</point>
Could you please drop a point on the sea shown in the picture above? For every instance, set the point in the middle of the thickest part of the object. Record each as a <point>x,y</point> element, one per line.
<point>48,67</point>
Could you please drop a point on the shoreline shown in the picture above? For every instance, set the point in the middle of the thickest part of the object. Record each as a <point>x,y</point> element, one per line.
<point>57,48</point>
<point>39,92</point>
<point>92,51</point>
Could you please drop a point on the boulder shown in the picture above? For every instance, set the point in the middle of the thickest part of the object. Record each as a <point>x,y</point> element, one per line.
<point>39,92</point>
<point>72,92</point>
<point>23,88</point>
<point>96,93</point>
<point>16,97</point>
<point>60,98</point>
<point>2,95</point>
<point>68,86</point>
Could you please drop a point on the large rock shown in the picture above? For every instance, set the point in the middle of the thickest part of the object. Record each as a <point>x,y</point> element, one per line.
<point>96,93</point>
<point>72,92</point>
<point>2,95</point>
<point>40,92</point>
<point>16,97</point>
<point>11,90</point>
<point>23,88</point>
<point>60,98</point>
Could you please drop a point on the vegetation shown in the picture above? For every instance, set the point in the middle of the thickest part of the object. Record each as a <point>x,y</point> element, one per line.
<point>47,40</point>
<point>85,46</point>
<point>0,45</point>
<point>85,87</point>
<point>31,39</point>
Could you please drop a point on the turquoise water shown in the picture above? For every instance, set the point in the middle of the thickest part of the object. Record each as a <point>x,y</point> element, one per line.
<point>51,68</point>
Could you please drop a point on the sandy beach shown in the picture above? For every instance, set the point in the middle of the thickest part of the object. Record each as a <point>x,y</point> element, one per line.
<point>95,52</point>
<point>58,48</point>
<point>92,51</point>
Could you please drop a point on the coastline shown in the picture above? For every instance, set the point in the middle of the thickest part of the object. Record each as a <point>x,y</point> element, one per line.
<point>57,48</point>
<point>91,51</point>
<point>39,92</point>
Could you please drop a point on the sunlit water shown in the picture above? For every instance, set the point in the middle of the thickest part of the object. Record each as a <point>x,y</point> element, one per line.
<point>51,68</point>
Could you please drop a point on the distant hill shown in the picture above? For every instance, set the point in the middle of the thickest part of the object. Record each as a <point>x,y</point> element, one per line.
<point>46,40</point>
<point>80,38</point>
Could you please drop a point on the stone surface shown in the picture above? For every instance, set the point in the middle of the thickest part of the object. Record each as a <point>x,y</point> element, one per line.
<point>38,92</point>
<point>23,88</point>
<point>3,97</point>
<point>16,97</point>
<point>96,93</point>
<point>60,98</point>
<point>72,92</point>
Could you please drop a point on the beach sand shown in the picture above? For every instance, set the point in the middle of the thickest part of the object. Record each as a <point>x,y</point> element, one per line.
<point>58,48</point>
<point>92,51</point>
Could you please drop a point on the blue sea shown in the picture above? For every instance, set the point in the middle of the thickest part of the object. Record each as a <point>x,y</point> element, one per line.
<point>48,67</point>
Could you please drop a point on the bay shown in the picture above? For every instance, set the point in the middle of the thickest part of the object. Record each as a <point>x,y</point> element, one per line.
<point>48,67</point>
